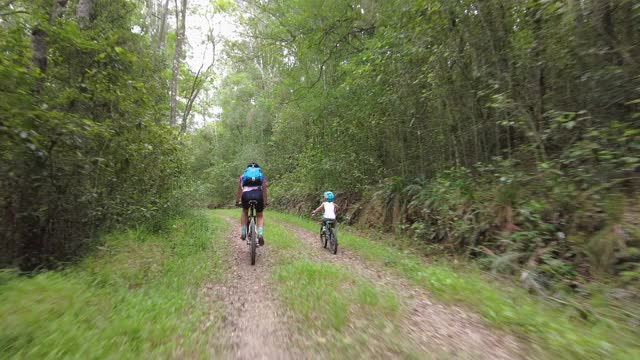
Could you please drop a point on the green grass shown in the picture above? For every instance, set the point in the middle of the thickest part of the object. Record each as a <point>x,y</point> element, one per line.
<point>323,294</point>
<point>347,315</point>
<point>135,296</point>
<point>555,331</point>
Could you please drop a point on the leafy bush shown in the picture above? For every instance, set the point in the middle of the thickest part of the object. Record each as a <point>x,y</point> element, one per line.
<point>84,145</point>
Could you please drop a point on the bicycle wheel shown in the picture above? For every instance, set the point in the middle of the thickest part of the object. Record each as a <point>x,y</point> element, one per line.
<point>253,241</point>
<point>323,238</point>
<point>334,241</point>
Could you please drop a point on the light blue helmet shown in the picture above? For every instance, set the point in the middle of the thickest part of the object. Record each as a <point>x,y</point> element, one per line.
<point>328,195</point>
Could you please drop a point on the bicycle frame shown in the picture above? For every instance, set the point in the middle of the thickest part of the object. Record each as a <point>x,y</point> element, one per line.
<point>251,230</point>
<point>329,237</point>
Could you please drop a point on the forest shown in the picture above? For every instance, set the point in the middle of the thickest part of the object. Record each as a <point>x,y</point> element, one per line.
<point>504,130</point>
<point>85,125</point>
<point>494,138</point>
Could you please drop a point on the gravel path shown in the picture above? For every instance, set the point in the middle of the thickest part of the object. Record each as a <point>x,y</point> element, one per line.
<point>257,327</point>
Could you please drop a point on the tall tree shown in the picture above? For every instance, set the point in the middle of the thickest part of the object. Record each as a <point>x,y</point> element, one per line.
<point>83,11</point>
<point>73,153</point>
<point>162,30</point>
<point>39,44</point>
<point>201,77</point>
<point>181,17</point>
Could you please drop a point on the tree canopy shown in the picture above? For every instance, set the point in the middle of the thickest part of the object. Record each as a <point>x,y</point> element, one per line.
<point>465,121</point>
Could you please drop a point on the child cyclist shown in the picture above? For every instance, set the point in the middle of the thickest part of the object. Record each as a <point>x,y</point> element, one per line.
<point>329,208</point>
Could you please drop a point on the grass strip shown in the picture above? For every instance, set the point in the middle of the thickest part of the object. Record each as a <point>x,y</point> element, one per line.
<point>557,331</point>
<point>135,296</point>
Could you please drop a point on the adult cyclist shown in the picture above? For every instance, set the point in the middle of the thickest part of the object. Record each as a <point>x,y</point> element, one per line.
<point>252,186</point>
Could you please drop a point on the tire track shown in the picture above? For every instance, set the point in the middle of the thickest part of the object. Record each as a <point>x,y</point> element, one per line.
<point>255,325</point>
<point>440,331</point>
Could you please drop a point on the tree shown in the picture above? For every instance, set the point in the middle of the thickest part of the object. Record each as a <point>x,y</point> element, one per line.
<point>181,15</point>
<point>90,148</point>
<point>83,11</point>
<point>420,102</point>
<point>39,44</point>
<point>201,77</point>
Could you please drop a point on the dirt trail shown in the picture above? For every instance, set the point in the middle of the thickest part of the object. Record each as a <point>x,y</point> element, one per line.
<point>255,325</point>
<point>263,329</point>
<point>449,331</point>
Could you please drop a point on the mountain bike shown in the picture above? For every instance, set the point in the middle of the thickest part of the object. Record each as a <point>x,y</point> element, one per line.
<point>252,236</point>
<point>328,235</point>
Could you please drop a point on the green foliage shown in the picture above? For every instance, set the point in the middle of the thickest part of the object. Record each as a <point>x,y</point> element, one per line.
<point>84,142</point>
<point>494,129</point>
<point>317,292</point>
<point>132,297</point>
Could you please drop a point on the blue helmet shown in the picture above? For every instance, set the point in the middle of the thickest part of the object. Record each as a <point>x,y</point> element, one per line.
<point>329,196</point>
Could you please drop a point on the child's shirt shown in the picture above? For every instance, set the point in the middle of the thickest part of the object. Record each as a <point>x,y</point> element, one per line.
<point>329,210</point>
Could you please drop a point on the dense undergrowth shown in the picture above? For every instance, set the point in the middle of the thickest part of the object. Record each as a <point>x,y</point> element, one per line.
<point>85,144</point>
<point>547,222</point>
<point>135,296</point>
<point>560,223</point>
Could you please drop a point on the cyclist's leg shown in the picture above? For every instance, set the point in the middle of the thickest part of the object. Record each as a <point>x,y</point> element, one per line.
<point>257,195</point>
<point>244,216</point>
<point>243,224</point>
<point>260,221</point>
<point>260,217</point>
<point>326,222</point>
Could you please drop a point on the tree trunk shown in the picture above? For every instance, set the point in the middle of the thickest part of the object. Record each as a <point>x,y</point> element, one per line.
<point>198,83</point>
<point>39,48</point>
<point>181,15</point>
<point>83,12</point>
<point>151,19</point>
<point>538,52</point>
<point>162,31</point>
<point>39,44</point>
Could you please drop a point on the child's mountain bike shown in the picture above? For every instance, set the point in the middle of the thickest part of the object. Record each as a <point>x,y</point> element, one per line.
<point>328,235</point>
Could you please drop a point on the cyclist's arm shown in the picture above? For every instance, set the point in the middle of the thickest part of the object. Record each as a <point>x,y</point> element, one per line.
<point>318,209</point>
<point>264,192</point>
<point>238,192</point>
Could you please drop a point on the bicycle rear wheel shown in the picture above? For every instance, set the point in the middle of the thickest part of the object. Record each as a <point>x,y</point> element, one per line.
<point>253,241</point>
<point>334,241</point>
<point>323,239</point>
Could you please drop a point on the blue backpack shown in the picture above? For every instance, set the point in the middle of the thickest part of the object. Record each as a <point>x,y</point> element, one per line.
<point>252,176</point>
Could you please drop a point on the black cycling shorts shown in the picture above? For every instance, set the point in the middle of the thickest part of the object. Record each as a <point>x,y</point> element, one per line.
<point>253,195</point>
